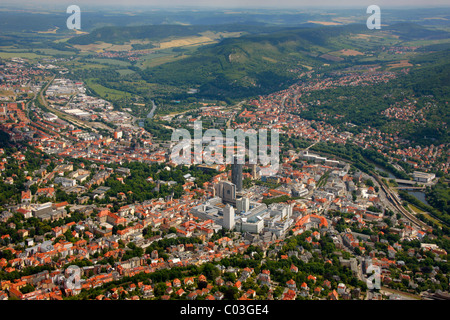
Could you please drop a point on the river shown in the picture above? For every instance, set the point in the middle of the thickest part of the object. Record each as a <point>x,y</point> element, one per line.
<point>378,168</point>
<point>152,112</point>
<point>418,194</point>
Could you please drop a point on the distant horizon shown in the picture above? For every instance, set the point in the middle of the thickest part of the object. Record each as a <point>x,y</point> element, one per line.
<point>230,4</point>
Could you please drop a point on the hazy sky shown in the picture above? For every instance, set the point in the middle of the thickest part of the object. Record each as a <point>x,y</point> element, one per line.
<point>242,3</point>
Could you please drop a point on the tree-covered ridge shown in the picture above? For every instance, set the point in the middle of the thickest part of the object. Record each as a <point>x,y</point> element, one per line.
<point>250,65</point>
<point>120,35</point>
<point>258,64</point>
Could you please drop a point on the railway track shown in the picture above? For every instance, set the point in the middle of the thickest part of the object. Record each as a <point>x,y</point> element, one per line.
<point>394,199</point>
<point>391,196</point>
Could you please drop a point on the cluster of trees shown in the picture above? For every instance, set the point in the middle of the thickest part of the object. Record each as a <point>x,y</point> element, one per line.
<point>439,196</point>
<point>425,265</point>
<point>443,217</point>
<point>360,158</point>
<point>383,162</point>
<point>13,168</point>
<point>10,276</point>
<point>163,244</point>
<point>34,226</point>
<point>279,199</point>
<point>142,190</point>
<point>158,130</point>
<point>348,151</point>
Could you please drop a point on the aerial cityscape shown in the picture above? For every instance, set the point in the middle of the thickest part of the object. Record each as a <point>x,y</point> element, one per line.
<point>224,153</point>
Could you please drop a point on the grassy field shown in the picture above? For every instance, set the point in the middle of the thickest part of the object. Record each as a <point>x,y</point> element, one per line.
<point>106,92</point>
<point>113,62</point>
<point>425,42</point>
<point>149,63</point>
<point>93,47</point>
<point>18,54</point>
<point>125,72</point>
<point>52,52</point>
<point>77,65</point>
<point>162,56</point>
<point>417,210</point>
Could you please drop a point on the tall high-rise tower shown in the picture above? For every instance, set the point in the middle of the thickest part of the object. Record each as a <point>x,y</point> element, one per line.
<point>236,174</point>
<point>226,191</point>
<point>243,204</point>
<point>228,217</point>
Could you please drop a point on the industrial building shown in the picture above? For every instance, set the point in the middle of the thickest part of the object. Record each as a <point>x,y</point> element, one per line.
<point>423,177</point>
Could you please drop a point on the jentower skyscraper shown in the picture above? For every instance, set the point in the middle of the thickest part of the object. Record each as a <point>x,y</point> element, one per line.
<point>236,174</point>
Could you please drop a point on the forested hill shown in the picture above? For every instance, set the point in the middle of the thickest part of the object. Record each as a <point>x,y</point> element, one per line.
<point>120,35</point>
<point>432,76</point>
<point>262,63</point>
<point>252,64</point>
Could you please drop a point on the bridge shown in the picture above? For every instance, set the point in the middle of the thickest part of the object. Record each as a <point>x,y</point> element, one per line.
<point>409,188</point>
<point>402,181</point>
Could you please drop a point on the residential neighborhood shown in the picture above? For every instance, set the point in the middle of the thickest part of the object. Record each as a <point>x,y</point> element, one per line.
<point>94,195</point>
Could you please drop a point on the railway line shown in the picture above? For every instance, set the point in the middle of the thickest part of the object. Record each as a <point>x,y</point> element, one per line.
<point>396,201</point>
<point>390,196</point>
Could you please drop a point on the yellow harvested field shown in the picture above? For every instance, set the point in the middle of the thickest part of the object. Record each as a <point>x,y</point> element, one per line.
<point>361,36</point>
<point>205,38</point>
<point>400,64</point>
<point>349,52</point>
<point>435,18</point>
<point>49,31</point>
<point>270,59</point>
<point>345,20</point>
<point>185,42</point>
<point>7,93</point>
<point>104,46</point>
<point>93,47</point>
<point>326,23</point>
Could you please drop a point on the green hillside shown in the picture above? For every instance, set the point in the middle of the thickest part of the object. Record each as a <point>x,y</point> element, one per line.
<point>252,64</point>
<point>121,35</point>
<point>265,59</point>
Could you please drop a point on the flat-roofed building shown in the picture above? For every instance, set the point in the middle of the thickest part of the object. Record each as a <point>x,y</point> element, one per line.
<point>226,191</point>
<point>228,217</point>
<point>242,204</point>
<point>423,176</point>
